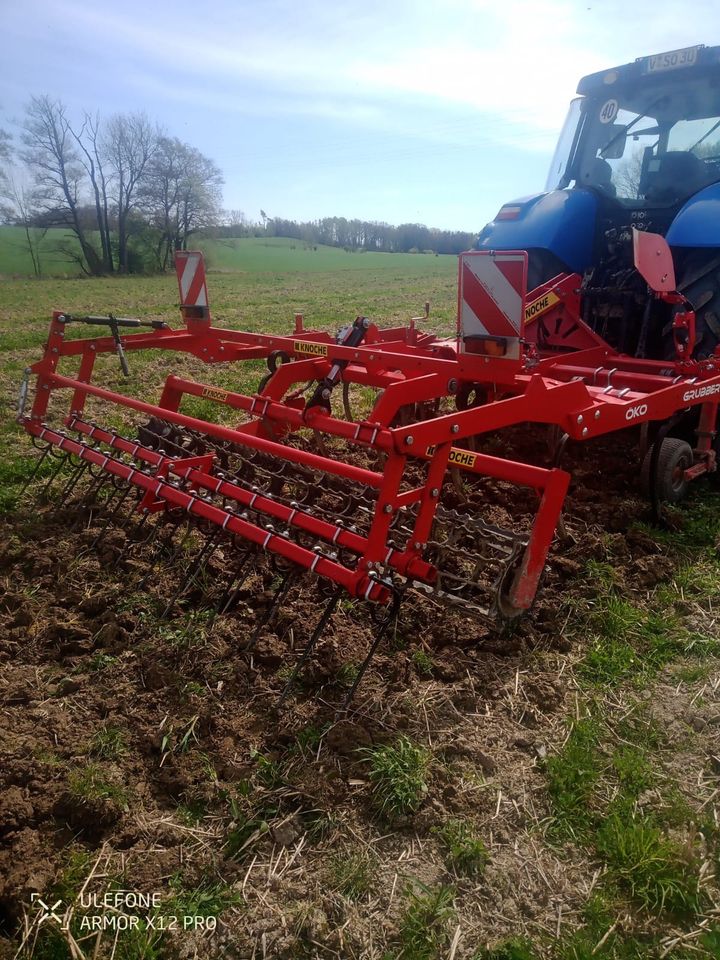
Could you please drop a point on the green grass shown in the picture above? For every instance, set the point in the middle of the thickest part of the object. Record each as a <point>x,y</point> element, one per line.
<point>514,948</point>
<point>425,924</point>
<point>91,782</point>
<point>209,898</point>
<point>246,254</point>
<point>465,852</point>
<point>108,743</point>
<point>353,874</point>
<point>594,784</point>
<point>398,773</point>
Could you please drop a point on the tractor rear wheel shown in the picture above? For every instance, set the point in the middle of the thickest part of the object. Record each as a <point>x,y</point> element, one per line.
<point>674,458</point>
<point>700,283</point>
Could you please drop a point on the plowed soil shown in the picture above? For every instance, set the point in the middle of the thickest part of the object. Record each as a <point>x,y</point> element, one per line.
<point>202,780</point>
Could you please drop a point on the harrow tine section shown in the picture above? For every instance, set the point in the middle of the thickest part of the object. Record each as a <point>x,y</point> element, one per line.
<point>71,483</point>
<point>36,470</point>
<point>191,574</point>
<point>162,547</point>
<point>111,516</point>
<point>231,592</point>
<point>134,541</point>
<point>389,619</point>
<point>62,460</point>
<point>310,646</point>
<point>274,606</point>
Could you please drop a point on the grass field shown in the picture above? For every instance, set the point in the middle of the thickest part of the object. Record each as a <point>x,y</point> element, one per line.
<point>246,255</point>
<point>550,795</point>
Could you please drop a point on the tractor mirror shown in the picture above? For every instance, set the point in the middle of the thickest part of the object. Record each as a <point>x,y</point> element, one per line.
<point>615,138</point>
<point>653,261</point>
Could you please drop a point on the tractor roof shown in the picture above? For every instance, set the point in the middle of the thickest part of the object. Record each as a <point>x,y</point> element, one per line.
<point>690,60</point>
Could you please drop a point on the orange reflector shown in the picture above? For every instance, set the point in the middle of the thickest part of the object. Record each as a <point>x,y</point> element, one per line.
<point>487,346</point>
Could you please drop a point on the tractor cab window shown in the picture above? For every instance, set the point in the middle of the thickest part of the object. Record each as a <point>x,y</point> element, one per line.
<point>653,146</point>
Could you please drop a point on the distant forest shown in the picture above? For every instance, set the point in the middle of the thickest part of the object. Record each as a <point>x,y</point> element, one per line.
<point>349,234</point>
<point>130,195</point>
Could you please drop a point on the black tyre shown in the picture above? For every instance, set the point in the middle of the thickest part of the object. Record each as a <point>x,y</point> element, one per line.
<point>700,283</point>
<point>673,460</point>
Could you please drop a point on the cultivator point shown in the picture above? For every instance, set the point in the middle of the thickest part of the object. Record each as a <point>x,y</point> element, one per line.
<point>400,497</point>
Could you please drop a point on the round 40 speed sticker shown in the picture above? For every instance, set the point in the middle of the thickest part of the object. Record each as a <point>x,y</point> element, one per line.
<point>608,111</point>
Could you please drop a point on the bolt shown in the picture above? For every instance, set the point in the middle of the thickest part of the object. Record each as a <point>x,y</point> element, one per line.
<point>597,414</point>
<point>434,492</point>
<point>452,385</point>
<point>580,418</point>
<point>387,508</point>
<point>454,428</point>
<point>408,440</point>
<point>417,545</point>
<point>585,431</point>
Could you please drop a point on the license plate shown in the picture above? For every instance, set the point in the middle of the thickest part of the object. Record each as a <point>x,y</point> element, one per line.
<point>672,60</point>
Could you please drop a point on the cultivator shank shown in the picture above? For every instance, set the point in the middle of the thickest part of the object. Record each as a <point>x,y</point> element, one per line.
<point>400,496</point>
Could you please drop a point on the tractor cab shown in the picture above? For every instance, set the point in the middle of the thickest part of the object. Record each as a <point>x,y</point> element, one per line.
<point>640,149</point>
<point>647,134</point>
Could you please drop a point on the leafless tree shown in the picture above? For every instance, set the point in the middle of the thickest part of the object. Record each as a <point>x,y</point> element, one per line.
<point>88,140</point>
<point>130,143</point>
<point>50,151</point>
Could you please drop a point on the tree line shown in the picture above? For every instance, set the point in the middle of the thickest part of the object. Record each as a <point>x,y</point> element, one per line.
<point>350,234</point>
<point>130,195</point>
<point>128,192</point>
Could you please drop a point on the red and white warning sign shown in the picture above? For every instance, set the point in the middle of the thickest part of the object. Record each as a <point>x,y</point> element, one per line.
<point>191,278</point>
<point>491,300</point>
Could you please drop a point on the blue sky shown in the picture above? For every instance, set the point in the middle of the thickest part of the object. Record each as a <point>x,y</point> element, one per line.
<point>435,112</point>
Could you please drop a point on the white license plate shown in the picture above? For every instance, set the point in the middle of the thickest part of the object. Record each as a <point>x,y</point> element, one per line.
<point>672,60</point>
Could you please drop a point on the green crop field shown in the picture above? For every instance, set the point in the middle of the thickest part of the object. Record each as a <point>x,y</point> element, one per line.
<point>245,255</point>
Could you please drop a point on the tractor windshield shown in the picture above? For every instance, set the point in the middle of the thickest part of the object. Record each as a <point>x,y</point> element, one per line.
<point>653,143</point>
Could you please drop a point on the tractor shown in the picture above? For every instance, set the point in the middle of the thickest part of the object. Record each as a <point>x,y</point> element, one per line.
<point>366,459</point>
<point>639,151</point>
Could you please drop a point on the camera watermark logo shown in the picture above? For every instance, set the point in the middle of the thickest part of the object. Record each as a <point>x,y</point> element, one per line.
<point>47,911</point>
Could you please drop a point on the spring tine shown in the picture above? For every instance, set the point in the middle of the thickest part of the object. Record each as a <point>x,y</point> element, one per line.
<point>46,489</point>
<point>273,608</point>
<point>317,633</point>
<point>88,497</point>
<point>36,470</point>
<point>232,590</point>
<point>163,545</point>
<point>111,516</point>
<point>134,542</point>
<point>191,573</point>
<point>74,477</point>
<point>381,631</point>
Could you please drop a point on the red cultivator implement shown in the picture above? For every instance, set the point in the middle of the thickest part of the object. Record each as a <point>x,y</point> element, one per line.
<point>392,500</point>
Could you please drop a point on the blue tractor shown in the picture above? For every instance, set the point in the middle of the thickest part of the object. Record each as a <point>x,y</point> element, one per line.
<point>640,149</point>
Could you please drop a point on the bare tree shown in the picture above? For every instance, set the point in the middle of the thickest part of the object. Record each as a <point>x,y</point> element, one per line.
<point>131,142</point>
<point>50,153</point>
<point>90,155</point>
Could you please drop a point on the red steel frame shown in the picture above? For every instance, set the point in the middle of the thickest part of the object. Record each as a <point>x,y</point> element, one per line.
<point>586,392</point>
